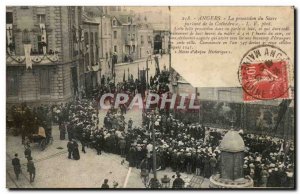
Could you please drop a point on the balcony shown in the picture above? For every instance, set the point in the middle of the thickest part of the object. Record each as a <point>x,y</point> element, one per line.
<point>48,59</point>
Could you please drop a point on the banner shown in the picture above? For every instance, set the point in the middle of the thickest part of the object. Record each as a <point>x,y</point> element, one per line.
<point>27,49</point>
<point>44,37</point>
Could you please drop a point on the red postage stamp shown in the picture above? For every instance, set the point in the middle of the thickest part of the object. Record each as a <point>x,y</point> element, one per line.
<point>263,74</point>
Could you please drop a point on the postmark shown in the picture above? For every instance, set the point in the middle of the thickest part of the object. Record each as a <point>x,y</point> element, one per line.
<point>263,73</point>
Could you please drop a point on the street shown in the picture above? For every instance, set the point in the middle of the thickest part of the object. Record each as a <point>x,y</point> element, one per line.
<point>55,170</point>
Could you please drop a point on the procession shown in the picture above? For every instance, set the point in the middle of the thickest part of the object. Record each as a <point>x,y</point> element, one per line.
<point>189,148</point>
<point>94,101</point>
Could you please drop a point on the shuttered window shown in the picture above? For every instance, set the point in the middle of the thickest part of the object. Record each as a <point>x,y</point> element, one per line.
<point>44,81</point>
<point>12,83</point>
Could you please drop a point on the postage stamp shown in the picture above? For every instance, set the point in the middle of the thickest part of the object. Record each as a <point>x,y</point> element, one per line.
<point>263,73</point>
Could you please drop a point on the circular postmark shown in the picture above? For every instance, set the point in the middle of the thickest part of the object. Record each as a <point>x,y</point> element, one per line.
<point>263,73</point>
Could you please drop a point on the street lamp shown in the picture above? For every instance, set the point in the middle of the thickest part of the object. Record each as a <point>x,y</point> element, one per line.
<point>147,69</point>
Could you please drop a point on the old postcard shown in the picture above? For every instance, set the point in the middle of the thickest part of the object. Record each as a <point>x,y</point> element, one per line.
<point>119,97</point>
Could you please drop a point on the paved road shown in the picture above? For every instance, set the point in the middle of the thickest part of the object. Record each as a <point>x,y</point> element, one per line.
<point>55,170</point>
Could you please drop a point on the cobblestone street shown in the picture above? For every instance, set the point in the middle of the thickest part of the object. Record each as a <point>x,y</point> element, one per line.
<point>55,170</point>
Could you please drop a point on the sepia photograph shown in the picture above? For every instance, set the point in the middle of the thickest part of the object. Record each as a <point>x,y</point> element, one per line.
<point>150,97</point>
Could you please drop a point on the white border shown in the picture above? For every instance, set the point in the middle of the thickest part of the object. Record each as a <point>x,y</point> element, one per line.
<point>110,2</point>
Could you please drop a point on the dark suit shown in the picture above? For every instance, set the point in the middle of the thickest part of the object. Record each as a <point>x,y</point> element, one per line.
<point>17,166</point>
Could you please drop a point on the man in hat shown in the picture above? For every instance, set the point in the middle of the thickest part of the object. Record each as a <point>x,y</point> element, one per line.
<point>130,123</point>
<point>31,170</point>
<point>27,152</point>
<point>165,181</point>
<point>70,147</point>
<point>83,140</point>
<point>105,184</point>
<point>17,166</point>
<point>178,183</point>
<point>122,145</point>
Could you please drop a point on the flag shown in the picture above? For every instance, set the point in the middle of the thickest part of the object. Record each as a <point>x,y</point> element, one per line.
<point>128,76</point>
<point>124,76</point>
<point>9,33</point>
<point>138,71</point>
<point>283,106</point>
<point>27,49</point>
<point>157,64</point>
<point>44,37</point>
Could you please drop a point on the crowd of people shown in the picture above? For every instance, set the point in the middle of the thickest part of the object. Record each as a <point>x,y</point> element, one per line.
<point>190,148</point>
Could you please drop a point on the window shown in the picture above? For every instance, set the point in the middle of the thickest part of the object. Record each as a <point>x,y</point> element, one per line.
<point>129,28</point>
<point>92,55</point>
<point>97,54</point>
<point>114,22</point>
<point>149,40</point>
<point>44,81</point>
<point>115,34</point>
<point>96,38</point>
<point>92,38</point>
<point>142,39</point>
<point>86,38</point>
<point>26,36</point>
<point>87,60</point>
<point>128,19</point>
<point>115,48</point>
<point>41,18</point>
<point>133,36</point>
<point>105,29</point>
<point>97,47</point>
<point>12,83</point>
<point>9,17</point>
<point>41,44</point>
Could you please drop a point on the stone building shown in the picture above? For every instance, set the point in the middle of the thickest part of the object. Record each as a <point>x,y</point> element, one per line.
<point>105,38</point>
<point>117,40</point>
<point>161,36</point>
<point>129,37</point>
<point>43,53</point>
<point>90,76</point>
<point>144,38</point>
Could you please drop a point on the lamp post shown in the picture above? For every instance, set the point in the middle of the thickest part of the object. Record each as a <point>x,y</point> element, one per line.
<point>154,182</point>
<point>114,77</point>
<point>101,35</point>
<point>147,69</point>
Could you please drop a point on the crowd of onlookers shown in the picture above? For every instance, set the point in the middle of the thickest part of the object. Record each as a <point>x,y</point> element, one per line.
<point>183,147</point>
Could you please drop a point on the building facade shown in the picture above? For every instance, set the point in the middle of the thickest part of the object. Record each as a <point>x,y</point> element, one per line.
<point>144,40</point>
<point>42,53</point>
<point>105,39</point>
<point>161,38</point>
<point>90,76</point>
<point>117,40</point>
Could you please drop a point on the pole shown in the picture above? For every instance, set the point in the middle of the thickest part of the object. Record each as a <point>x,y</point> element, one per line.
<point>102,54</point>
<point>169,43</point>
<point>154,150</point>
<point>147,74</point>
